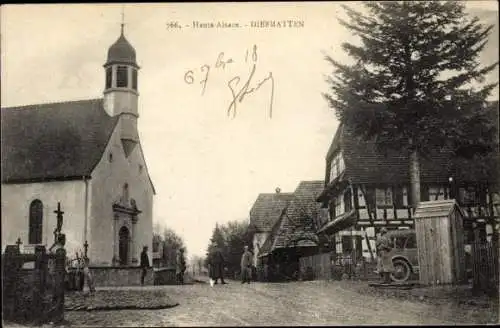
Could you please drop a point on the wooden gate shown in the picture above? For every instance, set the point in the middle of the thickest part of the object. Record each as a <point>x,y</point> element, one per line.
<point>33,285</point>
<point>320,266</point>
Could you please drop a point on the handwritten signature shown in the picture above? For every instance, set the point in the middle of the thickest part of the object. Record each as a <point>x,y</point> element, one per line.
<point>238,95</point>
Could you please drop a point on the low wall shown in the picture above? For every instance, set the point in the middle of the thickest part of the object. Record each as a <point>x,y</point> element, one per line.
<point>165,276</point>
<point>120,276</point>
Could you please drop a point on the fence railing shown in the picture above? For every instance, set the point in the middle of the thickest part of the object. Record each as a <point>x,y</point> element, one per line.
<point>335,266</point>
<point>485,267</point>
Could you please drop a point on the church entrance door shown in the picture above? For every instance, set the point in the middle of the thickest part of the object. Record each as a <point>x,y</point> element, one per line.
<point>124,235</point>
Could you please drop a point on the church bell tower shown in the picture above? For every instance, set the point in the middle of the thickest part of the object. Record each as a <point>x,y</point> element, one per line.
<point>120,92</point>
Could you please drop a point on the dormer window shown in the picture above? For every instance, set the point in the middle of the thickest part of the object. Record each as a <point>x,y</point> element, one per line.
<point>336,166</point>
<point>121,76</point>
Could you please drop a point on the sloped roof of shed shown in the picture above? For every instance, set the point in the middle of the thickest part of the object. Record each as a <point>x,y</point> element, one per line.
<point>437,208</point>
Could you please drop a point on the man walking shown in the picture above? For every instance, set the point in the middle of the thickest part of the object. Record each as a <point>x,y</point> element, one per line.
<point>384,261</point>
<point>144,264</point>
<point>246,266</point>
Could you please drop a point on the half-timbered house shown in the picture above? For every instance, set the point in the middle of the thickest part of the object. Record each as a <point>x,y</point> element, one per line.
<point>365,190</point>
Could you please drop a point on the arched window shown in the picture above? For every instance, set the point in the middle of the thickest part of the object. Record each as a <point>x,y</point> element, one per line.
<point>36,222</point>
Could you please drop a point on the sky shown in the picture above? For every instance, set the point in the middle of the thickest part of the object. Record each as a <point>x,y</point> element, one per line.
<point>206,166</point>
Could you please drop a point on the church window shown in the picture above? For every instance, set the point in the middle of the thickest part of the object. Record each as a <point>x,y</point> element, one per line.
<point>140,168</point>
<point>134,79</point>
<point>109,77</point>
<point>110,157</point>
<point>122,76</point>
<point>35,222</point>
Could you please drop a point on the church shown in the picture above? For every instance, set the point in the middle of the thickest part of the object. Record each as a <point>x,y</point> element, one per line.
<point>87,156</point>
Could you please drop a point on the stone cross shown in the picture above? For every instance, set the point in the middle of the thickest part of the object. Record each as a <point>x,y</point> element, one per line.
<point>59,217</point>
<point>19,242</point>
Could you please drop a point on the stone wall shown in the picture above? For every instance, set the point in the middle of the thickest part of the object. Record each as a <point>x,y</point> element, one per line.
<point>120,276</point>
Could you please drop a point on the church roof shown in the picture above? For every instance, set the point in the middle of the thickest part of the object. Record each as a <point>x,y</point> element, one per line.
<point>56,141</point>
<point>121,52</point>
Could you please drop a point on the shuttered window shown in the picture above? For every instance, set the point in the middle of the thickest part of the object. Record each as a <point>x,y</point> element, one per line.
<point>122,76</point>
<point>398,197</point>
<point>134,79</point>
<point>109,77</point>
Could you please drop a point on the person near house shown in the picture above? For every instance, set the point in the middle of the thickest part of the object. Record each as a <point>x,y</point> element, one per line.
<point>216,266</point>
<point>246,266</point>
<point>384,261</point>
<point>88,275</point>
<point>144,264</point>
<point>180,266</point>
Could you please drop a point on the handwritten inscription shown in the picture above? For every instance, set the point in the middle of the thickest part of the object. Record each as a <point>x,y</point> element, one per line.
<point>238,89</point>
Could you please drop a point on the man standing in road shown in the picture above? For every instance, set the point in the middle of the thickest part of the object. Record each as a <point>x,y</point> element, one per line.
<point>246,266</point>
<point>144,264</point>
<point>216,266</point>
<point>384,262</point>
<point>180,266</point>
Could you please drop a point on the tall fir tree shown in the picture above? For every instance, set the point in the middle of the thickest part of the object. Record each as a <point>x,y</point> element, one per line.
<point>411,87</point>
<point>216,241</point>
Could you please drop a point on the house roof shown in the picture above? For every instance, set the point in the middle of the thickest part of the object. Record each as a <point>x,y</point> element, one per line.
<point>297,222</point>
<point>267,210</point>
<point>364,164</point>
<point>53,141</point>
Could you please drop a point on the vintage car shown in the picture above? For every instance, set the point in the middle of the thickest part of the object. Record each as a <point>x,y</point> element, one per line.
<point>404,254</point>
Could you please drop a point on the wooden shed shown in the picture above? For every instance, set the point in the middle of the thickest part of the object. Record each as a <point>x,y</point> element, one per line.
<point>440,242</point>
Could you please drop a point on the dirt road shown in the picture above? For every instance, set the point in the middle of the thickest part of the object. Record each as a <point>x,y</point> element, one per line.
<point>271,304</point>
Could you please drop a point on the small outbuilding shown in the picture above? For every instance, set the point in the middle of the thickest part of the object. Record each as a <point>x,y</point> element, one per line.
<point>440,242</point>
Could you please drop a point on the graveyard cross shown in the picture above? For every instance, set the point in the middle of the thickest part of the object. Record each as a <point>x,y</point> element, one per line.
<point>19,242</point>
<point>59,217</point>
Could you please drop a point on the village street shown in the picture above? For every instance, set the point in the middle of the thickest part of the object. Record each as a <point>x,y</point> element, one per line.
<point>271,304</point>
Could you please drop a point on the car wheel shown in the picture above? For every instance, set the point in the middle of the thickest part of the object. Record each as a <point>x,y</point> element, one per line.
<point>402,271</point>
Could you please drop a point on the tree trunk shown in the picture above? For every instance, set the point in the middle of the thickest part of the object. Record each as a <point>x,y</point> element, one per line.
<point>414,179</point>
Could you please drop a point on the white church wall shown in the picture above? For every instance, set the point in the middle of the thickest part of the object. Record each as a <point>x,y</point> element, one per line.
<point>16,200</point>
<point>108,179</point>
